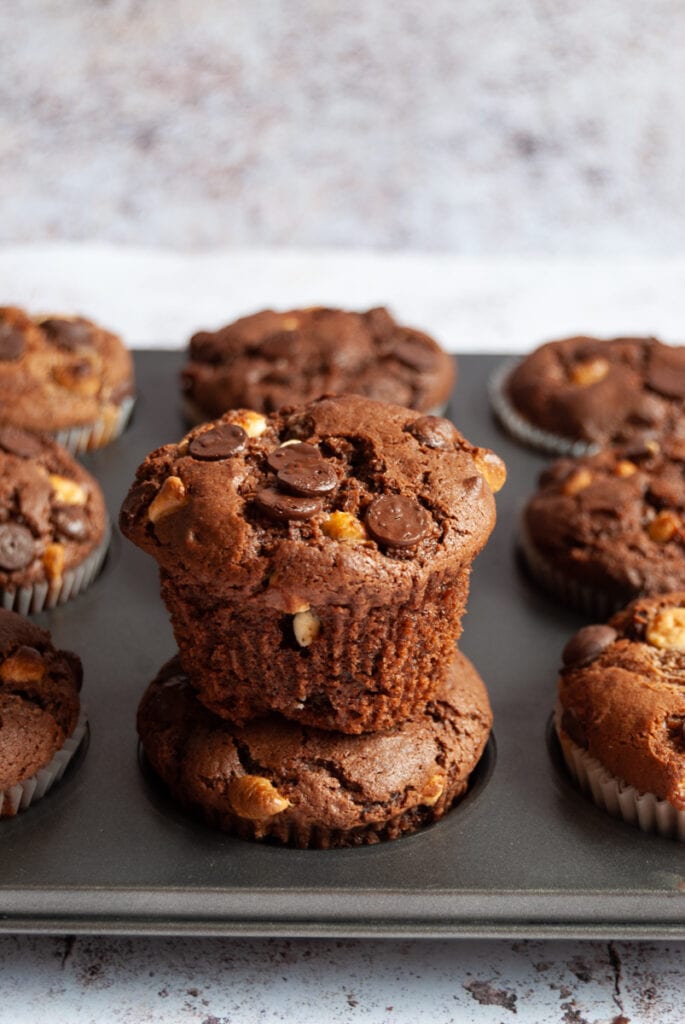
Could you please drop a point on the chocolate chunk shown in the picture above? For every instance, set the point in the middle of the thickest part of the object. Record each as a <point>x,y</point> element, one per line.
<point>18,442</point>
<point>415,354</point>
<point>666,371</point>
<point>434,432</point>
<point>292,455</point>
<point>397,520</point>
<point>278,346</point>
<point>219,443</point>
<point>69,335</point>
<point>17,547</point>
<point>286,506</point>
<point>587,644</point>
<point>71,522</point>
<point>11,342</point>
<point>307,476</point>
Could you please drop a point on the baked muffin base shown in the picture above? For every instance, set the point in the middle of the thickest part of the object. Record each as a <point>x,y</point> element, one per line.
<point>279,781</point>
<point>618,798</point>
<point>29,791</point>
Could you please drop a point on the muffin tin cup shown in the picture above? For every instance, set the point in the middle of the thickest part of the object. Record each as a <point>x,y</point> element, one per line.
<point>618,798</point>
<point>97,434</point>
<point>592,602</point>
<point>46,596</point>
<point>29,791</point>
<point>519,428</point>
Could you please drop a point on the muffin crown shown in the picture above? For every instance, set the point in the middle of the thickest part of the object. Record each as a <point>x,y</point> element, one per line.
<point>59,371</point>
<point>52,512</point>
<point>614,391</point>
<point>340,494</point>
<point>265,359</point>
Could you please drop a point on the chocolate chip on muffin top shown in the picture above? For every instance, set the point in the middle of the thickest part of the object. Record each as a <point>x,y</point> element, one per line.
<point>269,359</point>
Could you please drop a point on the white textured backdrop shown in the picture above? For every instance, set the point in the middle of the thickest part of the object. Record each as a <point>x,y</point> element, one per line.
<point>481,127</point>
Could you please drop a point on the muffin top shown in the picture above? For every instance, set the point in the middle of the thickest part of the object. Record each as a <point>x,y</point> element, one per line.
<point>602,392</point>
<point>342,500</point>
<point>272,772</point>
<point>616,519</point>
<point>39,698</point>
<point>52,512</point>
<point>58,372</point>
<point>622,694</point>
<point>269,359</point>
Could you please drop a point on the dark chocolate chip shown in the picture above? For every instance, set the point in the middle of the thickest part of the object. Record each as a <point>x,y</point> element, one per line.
<point>573,727</point>
<point>11,342</point>
<point>71,522</point>
<point>282,506</point>
<point>587,644</point>
<point>17,547</point>
<point>415,354</point>
<point>434,432</point>
<point>307,476</point>
<point>293,455</point>
<point>69,335</point>
<point>666,371</point>
<point>219,443</point>
<point>397,520</point>
<point>18,442</point>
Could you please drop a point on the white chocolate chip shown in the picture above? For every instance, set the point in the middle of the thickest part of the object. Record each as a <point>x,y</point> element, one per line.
<point>667,629</point>
<point>253,423</point>
<point>170,497</point>
<point>306,627</point>
<point>68,492</point>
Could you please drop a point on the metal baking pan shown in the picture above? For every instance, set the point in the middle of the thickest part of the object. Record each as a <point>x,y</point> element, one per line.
<point>523,855</point>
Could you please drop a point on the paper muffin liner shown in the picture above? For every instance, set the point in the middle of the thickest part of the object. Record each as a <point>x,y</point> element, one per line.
<point>97,434</point>
<point>645,810</point>
<point>557,582</point>
<point>516,425</point>
<point>46,596</point>
<point>18,798</point>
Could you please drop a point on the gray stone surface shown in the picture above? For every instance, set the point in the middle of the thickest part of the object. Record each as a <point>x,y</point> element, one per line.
<point>478,127</point>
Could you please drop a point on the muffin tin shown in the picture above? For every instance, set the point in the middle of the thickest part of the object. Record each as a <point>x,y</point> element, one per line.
<point>524,853</point>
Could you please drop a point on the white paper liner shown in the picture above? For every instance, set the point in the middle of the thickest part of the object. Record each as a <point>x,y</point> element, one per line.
<point>617,797</point>
<point>46,596</point>
<point>514,423</point>
<point>97,434</point>
<point>21,796</point>
<point>557,582</point>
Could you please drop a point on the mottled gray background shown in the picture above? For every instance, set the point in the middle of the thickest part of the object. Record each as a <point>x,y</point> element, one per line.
<point>477,126</point>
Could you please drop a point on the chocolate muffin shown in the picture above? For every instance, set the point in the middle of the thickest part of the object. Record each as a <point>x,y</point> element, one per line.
<point>621,717</point>
<point>316,561</point>
<point>605,528</point>
<point>277,780</point>
<point>53,523</point>
<point>65,376</point>
<point>40,722</point>
<point>271,359</point>
<point>581,394</point>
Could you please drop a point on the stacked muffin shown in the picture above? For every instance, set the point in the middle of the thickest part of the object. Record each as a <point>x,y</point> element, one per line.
<point>315,563</point>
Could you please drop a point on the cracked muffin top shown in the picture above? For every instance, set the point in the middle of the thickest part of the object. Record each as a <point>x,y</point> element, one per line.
<point>308,786</point>
<point>270,359</point>
<point>39,698</point>
<point>58,372</point>
<point>616,519</point>
<point>344,496</point>
<point>602,391</point>
<point>52,512</point>
<point>622,694</point>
